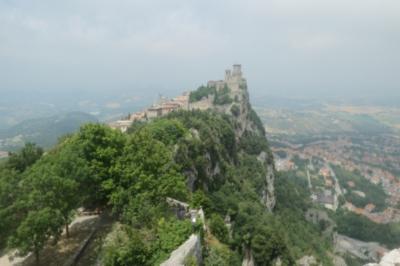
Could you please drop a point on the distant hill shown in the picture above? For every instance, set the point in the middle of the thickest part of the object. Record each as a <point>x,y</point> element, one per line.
<point>43,131</point>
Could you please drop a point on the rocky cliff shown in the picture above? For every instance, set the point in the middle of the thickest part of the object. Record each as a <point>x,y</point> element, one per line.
<point>231,97</point>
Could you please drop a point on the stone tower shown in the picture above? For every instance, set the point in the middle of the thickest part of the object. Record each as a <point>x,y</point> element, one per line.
<point>228,74</point>
<point>237,70</point>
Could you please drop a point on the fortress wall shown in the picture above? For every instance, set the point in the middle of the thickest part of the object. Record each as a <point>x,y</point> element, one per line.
<point>204,104</point>
<point>192,247</point>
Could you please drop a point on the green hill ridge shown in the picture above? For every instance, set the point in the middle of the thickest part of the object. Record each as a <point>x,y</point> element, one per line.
<point>216,159</point>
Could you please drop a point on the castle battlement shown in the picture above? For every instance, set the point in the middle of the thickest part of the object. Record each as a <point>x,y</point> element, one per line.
<point>233,79</point>
<point>234,74</point>
<point>237,70</point>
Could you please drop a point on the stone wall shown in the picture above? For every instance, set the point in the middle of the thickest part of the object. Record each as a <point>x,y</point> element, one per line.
<point>203,104</point>
<point>192,247</point>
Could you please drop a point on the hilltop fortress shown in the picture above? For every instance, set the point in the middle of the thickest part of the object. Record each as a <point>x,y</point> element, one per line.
<point>229,96</point>
<point>233,80</point>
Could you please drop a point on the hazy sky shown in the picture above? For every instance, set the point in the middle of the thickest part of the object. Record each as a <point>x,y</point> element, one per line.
<point>286,47</point>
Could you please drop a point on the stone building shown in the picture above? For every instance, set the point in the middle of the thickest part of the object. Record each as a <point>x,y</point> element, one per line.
<point>233,79</point>
<point>122,125</point>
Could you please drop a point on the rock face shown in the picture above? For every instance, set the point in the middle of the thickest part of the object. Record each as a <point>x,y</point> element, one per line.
<point>364,250</point>
<point>307,261</point>
<point>248,259</point>
<point>317,217</point>
<point>231,97</point>
<point>235,100</point>
<point>338,261</point>
<point>269,191</point>
<point>391,258</point>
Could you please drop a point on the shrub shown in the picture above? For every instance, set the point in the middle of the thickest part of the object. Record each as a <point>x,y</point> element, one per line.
<point>199,199</point>
<point>235,110</point>
<point>253,144</point>
<point>200,93</point>
<point>256,120</point>
<point>221,256</point>
<point>218,228</point>
<point>190,261</point>
<point>127,249</point>
<point>168,131</point>
<point>222,96</point>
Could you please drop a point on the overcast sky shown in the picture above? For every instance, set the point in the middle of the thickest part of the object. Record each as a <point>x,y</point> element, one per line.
<point>286,47</point>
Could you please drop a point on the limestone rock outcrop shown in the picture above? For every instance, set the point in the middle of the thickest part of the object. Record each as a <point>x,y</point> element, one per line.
<point>391,258</point>
<point>236,102</point>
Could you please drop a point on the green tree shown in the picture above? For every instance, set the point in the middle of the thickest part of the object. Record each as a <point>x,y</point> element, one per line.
<point>235,110</point>
<point>200,93</point>
<point>168,131</point>
<point>147,171</point>
<point>45,188</point>
<point>200,200</point>
<point>268,245</point>
<point>68,170</point>
<point>10,216</point>
<point>100,146</point>
<point>27,156</point>
<point>170,234</point>
<point>128,248</point>
<point>221,256</point>
<point>218,228</point>
<point>35,231</point>
<point>222,96</point>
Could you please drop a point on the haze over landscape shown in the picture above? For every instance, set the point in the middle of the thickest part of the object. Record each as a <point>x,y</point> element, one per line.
<point>299,48</point>
<point>200,133</point>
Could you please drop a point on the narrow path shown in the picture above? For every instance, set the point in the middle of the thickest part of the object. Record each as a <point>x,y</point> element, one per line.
<point>56,255</point>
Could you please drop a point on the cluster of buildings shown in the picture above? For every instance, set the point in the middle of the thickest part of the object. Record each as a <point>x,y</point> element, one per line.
<point>284,164</point>
<point>162,107</point>
<point>342,152</point>
<point>233,79</point>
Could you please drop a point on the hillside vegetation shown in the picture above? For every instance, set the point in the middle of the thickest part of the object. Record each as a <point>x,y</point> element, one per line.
<point>192,156</point>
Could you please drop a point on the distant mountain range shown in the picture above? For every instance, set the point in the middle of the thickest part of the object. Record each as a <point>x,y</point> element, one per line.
<point>43,131</point>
